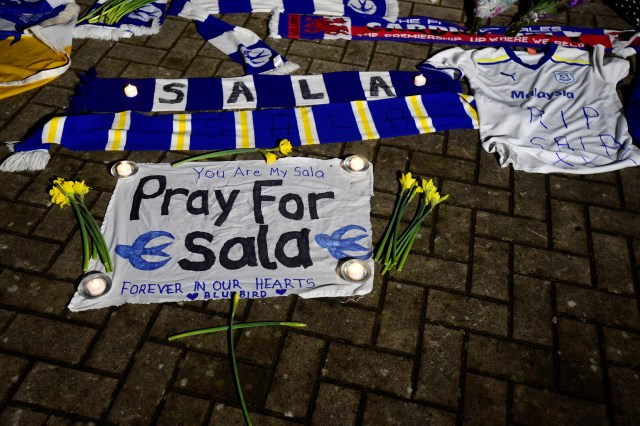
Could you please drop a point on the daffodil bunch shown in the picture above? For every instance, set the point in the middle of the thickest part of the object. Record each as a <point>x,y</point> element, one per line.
<point>284,148</point>
<point>66,192</point>
<point>393,249</point>
<point>112,11</point>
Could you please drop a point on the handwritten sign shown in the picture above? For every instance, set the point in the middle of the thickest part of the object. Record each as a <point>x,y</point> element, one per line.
<point>204,230</point>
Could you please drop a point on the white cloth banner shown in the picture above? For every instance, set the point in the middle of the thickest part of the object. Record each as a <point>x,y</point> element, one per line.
<point>201,231</point>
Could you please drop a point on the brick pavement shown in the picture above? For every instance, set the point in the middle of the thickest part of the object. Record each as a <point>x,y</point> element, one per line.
<point>518,306</point>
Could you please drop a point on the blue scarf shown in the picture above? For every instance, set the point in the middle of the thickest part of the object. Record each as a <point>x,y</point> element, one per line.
<point>319,124</point>
<point>258,91</point>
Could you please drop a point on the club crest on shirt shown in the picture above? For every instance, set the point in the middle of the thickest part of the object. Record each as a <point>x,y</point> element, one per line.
<point>564,77</point>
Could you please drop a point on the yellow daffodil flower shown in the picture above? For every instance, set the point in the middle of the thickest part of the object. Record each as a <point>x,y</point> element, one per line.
<point>57,197</point>
<point>407,181</point>
<point>80,188</point>
<point>426,186</point>
<point>270,157</point>
<point>285,147</point>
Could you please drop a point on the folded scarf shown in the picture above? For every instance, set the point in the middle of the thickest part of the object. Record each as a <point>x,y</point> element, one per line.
<point>35,43</point>
<point>430,30</point>
<point>95,94</point>
<point>330,123</point>
<point>240,44</point>
<point>386,9</point>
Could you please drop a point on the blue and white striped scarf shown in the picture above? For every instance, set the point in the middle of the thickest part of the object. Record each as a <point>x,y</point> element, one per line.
<point>319,124</point>
<point>253,91</point>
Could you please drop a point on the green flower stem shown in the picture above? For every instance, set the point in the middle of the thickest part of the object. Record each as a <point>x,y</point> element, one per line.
<point>85,238</point>
<point>387,232</point>
<point>392,247</point>
<point>404,256</point>
<point>236,327</point>
<point>98,238</point>
<point>232,358</point>
<point>214,154</point>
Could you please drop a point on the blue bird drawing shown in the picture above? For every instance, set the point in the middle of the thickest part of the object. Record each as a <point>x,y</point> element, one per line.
<point>139,248</point>
<point>338,247</point>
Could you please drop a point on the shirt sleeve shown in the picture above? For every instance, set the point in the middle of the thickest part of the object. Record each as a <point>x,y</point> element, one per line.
<point>610,69</point>
<point>456,62</point>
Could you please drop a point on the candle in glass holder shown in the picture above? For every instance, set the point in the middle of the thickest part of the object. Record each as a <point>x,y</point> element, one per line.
<point>357,163</point>
<point>420,80</point>
<point>130,91</point>
<point>124,169</point>
<point>96,286</point>
<point>356,271</point>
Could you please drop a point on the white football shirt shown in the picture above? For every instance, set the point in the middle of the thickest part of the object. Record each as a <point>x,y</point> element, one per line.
<point>556,111</point>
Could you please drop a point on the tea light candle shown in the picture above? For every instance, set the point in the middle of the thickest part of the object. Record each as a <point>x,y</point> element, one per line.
<point>355,163</point>
<point>356,271</point>
<point>124,169</point>
<point>420,80</point>
<point>130,91</point>
<point>96,286</point>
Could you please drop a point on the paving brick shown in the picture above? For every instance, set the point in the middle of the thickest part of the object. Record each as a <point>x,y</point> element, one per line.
<point>169,33</point>
<point>297,370</point>
<point>439,377</point>
<point>145,385</point>
<point>36,293</point>
<point>65,389</point>
<point>613,264</point>
<point>439,273</point>
<point>369,368</point>
<point>400,318</point>
<point>536,407</point>
<point>444,13</point>
<point>452,233</point>
<point>21,416</point>
<point>622,346</point>
<point>529,195</point>
<point>386,411</point>
<point>68,264</point>
<point>568,226</point>
<point>463,144</point>
<point>358,52</point>
<point>118,340</point>
<point>37,191</point>
<point>490,276</point>
<point>614,221</point>
<point>58,224</point>
<point>140,54</point>
<point>435,165</point>
<point>230,416</point>
<point>485,400</point>
<point>335,405</point>
<point>20,252</point>
<point>183,409</point>
<point>11,368</point>
<point>31,335</point>
<point>430,142</point>
<point>262,344</point>
<point>597,306</point>
<point>508,228</point>
<point>416,51</point>
<point>625,385</point>
<point>520,363</point>
<point>631,187</point>
<point>462,311</point>
<point>491,173</point>
<point>52,96</point>
<point>552,265</point>
<point>579,190</point>
<point>320,315</point>
<point>67,421</point>
<point>17,183</point>
<point>476,196</point>
<point>532,310</point>
<point>181,54</point>
<point>389,164</point>
<point>579,357</point>
<point>89,53</point>
<point>382,62</point>
<point>173,320</point>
